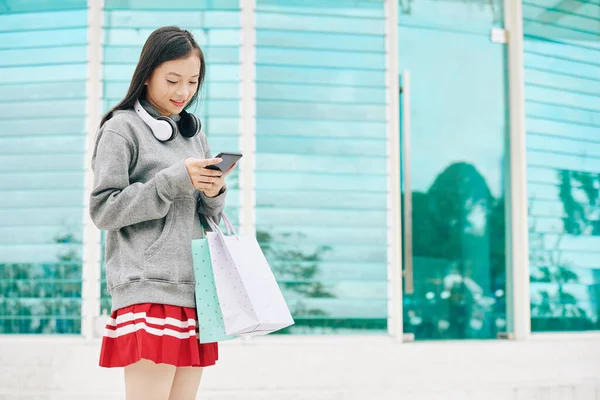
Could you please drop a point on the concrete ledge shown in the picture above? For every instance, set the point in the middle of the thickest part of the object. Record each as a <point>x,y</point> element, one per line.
<point>326,367</point>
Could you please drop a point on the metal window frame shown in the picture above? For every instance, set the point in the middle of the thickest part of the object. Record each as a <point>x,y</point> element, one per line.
<point>517,229</point>
<point>393,186</point>
<point>247,122</point>
<point>91,291</point>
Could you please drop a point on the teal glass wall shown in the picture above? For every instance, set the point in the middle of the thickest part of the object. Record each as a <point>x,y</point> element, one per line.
<point>458,131</point>
<point>216,27</point>
<point>562,78</point>
<point>42,136</point>
<point>321,159</point>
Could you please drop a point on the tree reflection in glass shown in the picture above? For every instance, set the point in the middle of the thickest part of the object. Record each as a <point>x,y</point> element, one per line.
<point>564,272</point>
<point>43,298</point>
<point>459,259</point>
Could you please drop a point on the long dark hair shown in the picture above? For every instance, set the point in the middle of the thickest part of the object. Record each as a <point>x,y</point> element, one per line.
<point>164,44</point>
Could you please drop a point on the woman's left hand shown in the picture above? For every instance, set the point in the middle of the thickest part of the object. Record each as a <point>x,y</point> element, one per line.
<point>219,183</point>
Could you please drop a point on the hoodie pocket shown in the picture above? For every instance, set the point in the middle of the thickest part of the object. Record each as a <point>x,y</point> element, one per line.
<point>164,234</point>
<point>169,258</point>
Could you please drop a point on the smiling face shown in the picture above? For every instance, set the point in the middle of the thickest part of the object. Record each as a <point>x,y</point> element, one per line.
<point>173,84</point>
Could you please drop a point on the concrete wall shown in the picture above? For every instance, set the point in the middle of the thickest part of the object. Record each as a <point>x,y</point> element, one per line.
<point>44,368</point>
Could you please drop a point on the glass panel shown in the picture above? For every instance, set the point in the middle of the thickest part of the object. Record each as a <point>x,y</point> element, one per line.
<point>320,164</point>
<point>562,92</point>
<point>457,153</point>
<point>41,202</point>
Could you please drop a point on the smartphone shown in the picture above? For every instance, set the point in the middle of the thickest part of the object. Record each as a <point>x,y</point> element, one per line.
<point>228,160</point>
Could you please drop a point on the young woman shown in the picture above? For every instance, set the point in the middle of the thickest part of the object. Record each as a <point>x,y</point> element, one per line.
<point>151,185</point>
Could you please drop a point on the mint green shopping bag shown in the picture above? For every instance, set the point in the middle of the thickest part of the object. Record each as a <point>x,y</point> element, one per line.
<point>210,318</point>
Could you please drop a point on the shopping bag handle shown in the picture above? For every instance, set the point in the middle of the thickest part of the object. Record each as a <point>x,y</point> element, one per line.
<point>230,228</point>
<point>205,224</point>
<point>213,225</point>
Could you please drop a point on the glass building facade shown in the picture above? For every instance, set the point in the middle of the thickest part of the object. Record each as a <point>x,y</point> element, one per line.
<point>320,173</point>
<point>562,88</point>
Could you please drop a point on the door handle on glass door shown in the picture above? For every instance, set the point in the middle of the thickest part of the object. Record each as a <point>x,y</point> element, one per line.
<point>406,173</point>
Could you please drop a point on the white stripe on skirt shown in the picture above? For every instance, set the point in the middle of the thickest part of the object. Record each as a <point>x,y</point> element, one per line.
<point>151,320</point>
<point>130,328</point>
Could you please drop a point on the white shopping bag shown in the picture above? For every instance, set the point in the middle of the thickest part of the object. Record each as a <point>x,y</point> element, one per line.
<point>250,299</point>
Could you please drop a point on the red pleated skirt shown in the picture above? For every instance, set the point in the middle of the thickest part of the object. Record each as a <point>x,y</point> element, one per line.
<point>161,333</point>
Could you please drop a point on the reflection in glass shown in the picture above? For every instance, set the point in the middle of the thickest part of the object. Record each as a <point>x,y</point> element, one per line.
<point>565,281</point>
<point>41,207</point>
<point>459,261</point>
<point>321,299</point>
<point>457,105</point>
<point>321,160</point>
<point>562,93</point>
<point>43,298</point>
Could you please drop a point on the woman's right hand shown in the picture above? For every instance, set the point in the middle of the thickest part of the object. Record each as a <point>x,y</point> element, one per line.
<point>201,177</point>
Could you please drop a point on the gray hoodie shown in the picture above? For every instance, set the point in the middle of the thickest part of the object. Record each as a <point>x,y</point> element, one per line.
<point>144,198</point>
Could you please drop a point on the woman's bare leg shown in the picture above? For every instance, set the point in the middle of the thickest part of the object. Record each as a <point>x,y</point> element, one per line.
<point>146,380</point>
<point>186,382</point>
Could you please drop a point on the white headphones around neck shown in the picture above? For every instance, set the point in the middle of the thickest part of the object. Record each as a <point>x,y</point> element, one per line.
<point>165,129</point>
